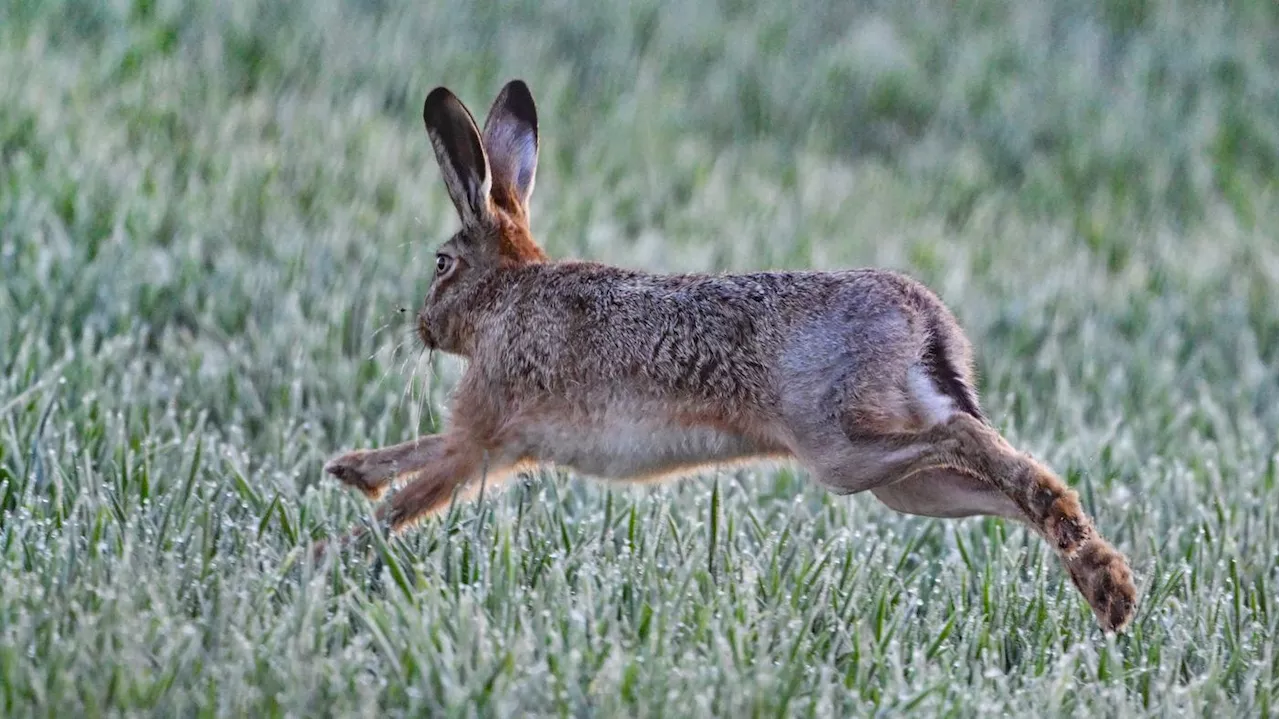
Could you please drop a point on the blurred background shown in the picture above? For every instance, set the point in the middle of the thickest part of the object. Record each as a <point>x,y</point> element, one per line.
<point>212,213</point>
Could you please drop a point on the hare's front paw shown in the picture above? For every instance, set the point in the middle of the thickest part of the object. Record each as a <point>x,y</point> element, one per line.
<point>362,470</point>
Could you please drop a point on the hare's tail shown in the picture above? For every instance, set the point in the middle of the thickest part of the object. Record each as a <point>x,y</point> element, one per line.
<point>946,360</point>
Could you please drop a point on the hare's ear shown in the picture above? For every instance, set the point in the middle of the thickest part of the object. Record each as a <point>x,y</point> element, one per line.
<point>459,151</point>
<point>511,137</point>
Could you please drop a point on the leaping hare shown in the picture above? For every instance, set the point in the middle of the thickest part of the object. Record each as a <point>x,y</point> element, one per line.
<point>863,376</point>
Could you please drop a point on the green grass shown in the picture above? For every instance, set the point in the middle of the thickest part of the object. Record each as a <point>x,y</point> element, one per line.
<point>210,215</point>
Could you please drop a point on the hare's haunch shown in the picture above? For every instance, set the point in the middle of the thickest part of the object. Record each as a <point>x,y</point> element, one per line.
<point>862,376</point>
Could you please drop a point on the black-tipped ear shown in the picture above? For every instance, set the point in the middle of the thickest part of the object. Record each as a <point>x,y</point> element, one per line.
<point>459,151</point>
<point>511,138</point>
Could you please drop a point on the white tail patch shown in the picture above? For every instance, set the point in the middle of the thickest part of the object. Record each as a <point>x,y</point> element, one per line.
<point>931,404</point>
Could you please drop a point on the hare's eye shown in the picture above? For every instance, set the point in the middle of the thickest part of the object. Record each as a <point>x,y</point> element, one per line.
<point>444,263</point>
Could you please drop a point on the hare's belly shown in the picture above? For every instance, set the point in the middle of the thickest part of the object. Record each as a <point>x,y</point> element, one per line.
<point>626,448</point>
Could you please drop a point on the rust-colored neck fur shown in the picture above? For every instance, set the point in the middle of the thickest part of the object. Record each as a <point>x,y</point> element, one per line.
<point>515,241</point>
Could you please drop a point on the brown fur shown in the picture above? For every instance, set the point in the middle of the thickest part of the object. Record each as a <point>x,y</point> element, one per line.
<point>863,376</point>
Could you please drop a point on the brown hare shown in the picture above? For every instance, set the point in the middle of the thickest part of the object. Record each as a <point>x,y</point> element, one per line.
<point>862,376</point>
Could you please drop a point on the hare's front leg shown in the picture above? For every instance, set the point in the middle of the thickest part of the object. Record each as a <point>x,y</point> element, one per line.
<point>371,470</point>
<point>441,464</point>
<point>458,462</point>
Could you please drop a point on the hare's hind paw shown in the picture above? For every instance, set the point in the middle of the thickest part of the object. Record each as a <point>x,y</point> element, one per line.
<point>1102,575</point>
<point>355,469</point>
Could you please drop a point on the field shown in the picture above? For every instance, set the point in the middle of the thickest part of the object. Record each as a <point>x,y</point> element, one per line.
<point>213,214</point>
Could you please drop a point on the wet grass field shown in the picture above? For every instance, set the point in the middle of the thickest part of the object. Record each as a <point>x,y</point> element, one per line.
<point>212,215</point>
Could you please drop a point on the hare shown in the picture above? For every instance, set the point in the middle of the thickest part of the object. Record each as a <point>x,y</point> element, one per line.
<point>862,376</point>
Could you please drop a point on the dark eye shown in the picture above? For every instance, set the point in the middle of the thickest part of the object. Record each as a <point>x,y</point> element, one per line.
<point>444,263</point>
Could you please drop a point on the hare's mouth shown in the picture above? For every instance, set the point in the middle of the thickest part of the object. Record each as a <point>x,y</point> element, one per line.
<point>424,332</point>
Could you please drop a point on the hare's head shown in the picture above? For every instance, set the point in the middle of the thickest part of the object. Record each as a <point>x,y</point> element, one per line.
<point>490,177</point>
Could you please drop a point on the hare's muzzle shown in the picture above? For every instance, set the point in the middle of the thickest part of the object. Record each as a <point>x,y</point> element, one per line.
<point>424,331</point>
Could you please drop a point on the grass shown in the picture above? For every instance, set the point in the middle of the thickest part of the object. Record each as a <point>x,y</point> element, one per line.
<point>210,215</point>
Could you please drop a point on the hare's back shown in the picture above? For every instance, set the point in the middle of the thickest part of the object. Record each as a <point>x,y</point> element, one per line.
<point>571,327</point>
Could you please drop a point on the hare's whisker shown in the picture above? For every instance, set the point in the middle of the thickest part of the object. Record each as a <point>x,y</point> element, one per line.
<point>379,330</point>
<point>425,399</point>
<point>393,352</point>
<point>404,366</point>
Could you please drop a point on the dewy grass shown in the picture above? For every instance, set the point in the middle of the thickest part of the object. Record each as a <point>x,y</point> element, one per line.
<point>208,211</point>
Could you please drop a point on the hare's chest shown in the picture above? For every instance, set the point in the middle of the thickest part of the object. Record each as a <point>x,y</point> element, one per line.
<point>631,446</point>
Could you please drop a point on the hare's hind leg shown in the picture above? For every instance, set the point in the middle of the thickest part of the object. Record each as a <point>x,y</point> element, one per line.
<point>947,494</point>
<point>957,465</point>
<point>923,473</point>
<point>1052,508</point>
